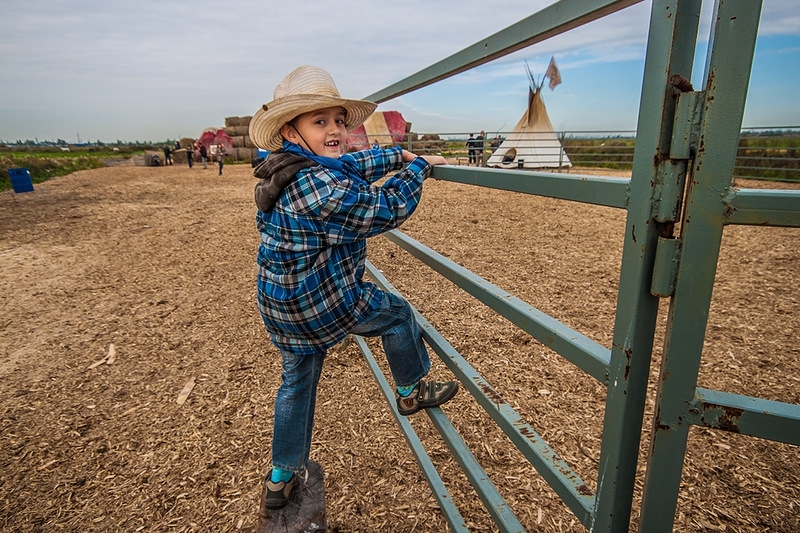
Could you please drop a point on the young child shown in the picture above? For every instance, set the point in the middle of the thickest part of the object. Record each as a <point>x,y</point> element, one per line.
<point>316,208</point>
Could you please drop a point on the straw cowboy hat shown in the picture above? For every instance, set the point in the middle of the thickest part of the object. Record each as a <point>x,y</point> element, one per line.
<point>305,89</point>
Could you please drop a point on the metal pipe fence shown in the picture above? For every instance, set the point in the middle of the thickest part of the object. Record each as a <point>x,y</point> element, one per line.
<point>765,153</point>
<point>673,174</point>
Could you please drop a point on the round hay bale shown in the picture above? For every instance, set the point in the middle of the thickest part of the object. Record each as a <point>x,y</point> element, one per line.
<point>238,142</point>
<point>248,143</point>
<point>153,158</point>
<point>187,142</point>
<point>179,157</point>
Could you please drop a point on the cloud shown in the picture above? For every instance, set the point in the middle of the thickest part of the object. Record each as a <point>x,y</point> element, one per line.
<point>158,67</point>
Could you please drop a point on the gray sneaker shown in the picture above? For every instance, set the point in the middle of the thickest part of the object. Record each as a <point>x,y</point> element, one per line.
<point>426,394</point>
<point>277,495</point>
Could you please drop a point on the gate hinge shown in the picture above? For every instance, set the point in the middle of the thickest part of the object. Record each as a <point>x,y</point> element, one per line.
<point>671,171</point>
<point>665,267</point>
<point>686,124</point>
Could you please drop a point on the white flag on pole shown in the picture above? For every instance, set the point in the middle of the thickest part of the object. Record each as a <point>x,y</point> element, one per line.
<point>553,74</point>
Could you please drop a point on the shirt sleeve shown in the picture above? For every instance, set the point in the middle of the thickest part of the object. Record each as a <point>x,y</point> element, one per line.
<point>360,209</point>
<point>375,163</point>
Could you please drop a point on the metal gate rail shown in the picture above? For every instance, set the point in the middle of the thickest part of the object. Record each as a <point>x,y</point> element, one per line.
<point>682,172</point>
<point>715,114</point>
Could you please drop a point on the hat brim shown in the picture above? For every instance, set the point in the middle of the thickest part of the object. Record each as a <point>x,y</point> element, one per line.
<point>266,124</point>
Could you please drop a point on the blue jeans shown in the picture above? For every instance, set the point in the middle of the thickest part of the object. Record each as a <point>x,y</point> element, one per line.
<point>405,352</point>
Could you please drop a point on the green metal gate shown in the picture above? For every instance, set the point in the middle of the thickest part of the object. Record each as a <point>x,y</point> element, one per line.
<point>678,201</point>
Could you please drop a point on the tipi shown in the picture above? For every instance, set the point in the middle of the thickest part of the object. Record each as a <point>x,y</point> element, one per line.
<point>533,143</point>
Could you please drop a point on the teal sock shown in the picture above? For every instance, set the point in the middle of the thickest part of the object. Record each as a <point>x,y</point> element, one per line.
<point>279,474</point>
<point>406,391</point>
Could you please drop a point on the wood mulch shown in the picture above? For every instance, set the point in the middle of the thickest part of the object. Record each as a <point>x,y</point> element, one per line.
<point>136,379</point>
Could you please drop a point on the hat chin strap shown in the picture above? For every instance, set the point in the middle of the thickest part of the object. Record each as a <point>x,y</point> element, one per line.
<point>308,146</point>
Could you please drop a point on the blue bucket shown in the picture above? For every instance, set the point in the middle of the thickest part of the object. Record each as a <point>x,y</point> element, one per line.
<point>20,179</point>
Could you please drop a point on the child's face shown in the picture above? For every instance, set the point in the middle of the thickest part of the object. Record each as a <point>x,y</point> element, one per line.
<point>323,130</point>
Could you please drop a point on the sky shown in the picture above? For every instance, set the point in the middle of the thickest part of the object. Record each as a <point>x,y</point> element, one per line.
<point>108,70</point>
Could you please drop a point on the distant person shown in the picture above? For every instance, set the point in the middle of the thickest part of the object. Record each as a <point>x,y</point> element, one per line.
<point>471,148</point>
<point>189,156</point>
<point>204,156</point>
<point>177,145</point>
<point>479,140</point>
<point>220,157</point>
<point>167,155</point>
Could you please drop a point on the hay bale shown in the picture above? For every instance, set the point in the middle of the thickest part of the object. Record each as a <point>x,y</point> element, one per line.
<point>244,142</point>
<point>187,142</point>
<point>244,154</point>
<point>230,122</point>
<point>237,121</point>
<point>153,158</point>
<point>179,157</point>
<point>237,131</point>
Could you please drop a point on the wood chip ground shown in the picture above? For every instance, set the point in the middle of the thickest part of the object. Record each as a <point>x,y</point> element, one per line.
<point>136,378</point>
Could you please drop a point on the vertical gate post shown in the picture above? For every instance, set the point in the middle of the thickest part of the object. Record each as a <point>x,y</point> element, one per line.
<point>670,50</point>
<point>729,63</point>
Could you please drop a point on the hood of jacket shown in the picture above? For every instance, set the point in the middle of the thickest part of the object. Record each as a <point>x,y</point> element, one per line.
<point>274,174</point>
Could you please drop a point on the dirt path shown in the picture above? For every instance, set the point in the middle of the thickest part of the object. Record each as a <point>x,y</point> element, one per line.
<point>159,264</point>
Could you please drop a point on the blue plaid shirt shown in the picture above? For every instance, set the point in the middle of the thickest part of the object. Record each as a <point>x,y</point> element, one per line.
<point>313,246</point>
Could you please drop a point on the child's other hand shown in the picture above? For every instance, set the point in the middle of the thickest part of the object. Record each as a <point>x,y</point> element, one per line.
<point>408,157</point>
<point>430,159</point>
<point>434,159</point>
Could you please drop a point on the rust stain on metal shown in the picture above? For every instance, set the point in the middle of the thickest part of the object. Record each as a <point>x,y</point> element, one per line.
<point>710,81</point>
<point>660,426</point>
<point>729,211</point>
<point>729,419</point>
<point>681,83</point>
<point>584,490</point>
<point>492,394</point>
<point>628,353</point>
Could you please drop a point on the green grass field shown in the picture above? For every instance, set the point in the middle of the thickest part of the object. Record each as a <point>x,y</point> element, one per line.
<point>46,163</point>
